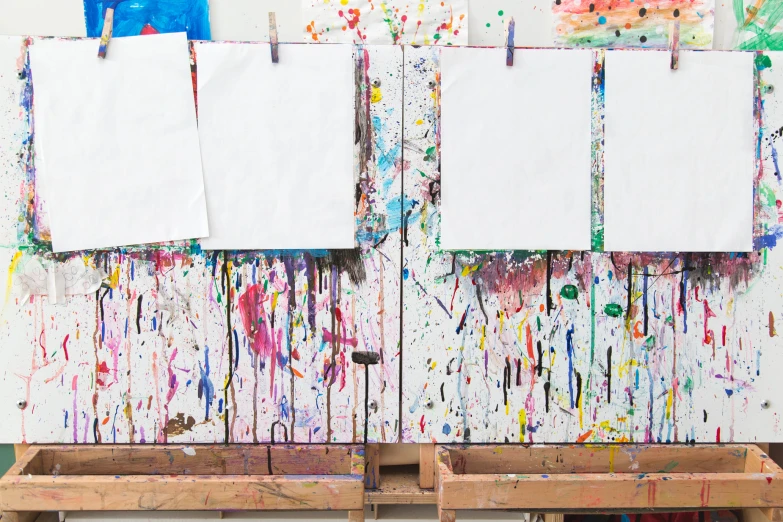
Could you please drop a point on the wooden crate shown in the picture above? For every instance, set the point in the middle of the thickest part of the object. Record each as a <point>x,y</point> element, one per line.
<point>633,478</point>
<point>186,478</point>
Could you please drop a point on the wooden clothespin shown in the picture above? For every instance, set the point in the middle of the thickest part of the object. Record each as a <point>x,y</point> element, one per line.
<point>108,27</point>
<point>674,44</point>
<point>510,43</point>
<point>273,38</point>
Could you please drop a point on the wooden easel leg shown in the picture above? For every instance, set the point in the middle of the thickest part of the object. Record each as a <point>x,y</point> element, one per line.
<point>372,466</point>
<point>446,515</point>
<point>554,517</point>
<point>21,516</point>
<point>356,515</point>
<point>426,466</point>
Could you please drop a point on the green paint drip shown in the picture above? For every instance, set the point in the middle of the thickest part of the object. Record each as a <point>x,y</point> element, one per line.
<point>500,13</point>
<point>613,310</point>
<point>763,62</point>
<point>569,292</point>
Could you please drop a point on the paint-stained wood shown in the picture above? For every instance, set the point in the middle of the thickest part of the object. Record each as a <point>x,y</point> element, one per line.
<point>181,493</point>
<point>372,466</point>
<point>400,486</point>
<point>426,465</point>
<point>197,460</point>
<point>517,483</point>
<point>213,478</point>
<point>356,515</point>
<point>618,491</point>
<point>729,458</point>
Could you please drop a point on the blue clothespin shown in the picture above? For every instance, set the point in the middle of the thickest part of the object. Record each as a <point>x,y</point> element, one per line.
<point>510,44</point>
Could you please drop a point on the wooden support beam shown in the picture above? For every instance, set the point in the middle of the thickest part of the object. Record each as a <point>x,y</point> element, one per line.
<point>426,466</point>
<point>372,466</point>
<point>444,471</point>
<point>25,463</point>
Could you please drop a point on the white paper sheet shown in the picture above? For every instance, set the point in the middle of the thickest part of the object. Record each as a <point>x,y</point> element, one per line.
<point>116,141</point>
<point>679,154</point>
<point>277,145</point>
<point>515,149</point>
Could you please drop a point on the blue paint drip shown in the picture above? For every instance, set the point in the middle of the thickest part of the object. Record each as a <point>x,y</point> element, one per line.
<point>769,240</point>
<point>164,16</point>
<point>775,162</point>
<point>206,383</point>
<point>570,350</point>
<point>236,349</point>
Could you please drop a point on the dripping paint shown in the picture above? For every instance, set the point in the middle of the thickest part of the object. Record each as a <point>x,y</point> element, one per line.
<point>427,22</point>
<point>632,23</point>
<point>586,346</point>
<point>184,345</point>
<point>132,18</point>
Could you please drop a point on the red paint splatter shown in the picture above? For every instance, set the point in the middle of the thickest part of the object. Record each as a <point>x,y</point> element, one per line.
<point>421,424</point>
<point>717,435</point>
<point>148,29</point>
<point>65,345</point>
<point>456,286</point>
<point>338,315</point>
<point>709,335</point>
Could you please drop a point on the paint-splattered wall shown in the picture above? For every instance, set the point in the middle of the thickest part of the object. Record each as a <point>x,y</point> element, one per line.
<point>587,346</point>
<point>180,344</point>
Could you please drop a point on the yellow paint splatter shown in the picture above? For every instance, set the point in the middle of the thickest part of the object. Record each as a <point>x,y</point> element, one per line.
<point>611,458</point>
<point>344,2</point>
<point>483,337</point>
<point>421,8</point>
<point>419,122</point>
<point>114,280</point>
<point>376,95</point>
<point>522,424</point>
<point>11,269</point>
<point>669,400</point>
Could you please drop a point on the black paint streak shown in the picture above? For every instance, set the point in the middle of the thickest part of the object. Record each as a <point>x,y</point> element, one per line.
<point>269,459</point>
<point>348,261</point>
<point>101,301</point>
<point>225,283</point>
<point>481,303</point>
<point>138,314</point>
<point>547,385</point>
<point>578,387</point>
<point>442,395</point>
<point>609,374</point>
<point>630,292</point>
<point>540,366</point>
<point>519,372</point>
<point>548,282</point>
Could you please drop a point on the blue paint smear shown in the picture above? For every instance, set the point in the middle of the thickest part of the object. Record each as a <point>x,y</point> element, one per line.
<point>446,429</point>
<point>206,383</point>
<point>163,16</point>
<point>769,240</point>
<point>570,350</point>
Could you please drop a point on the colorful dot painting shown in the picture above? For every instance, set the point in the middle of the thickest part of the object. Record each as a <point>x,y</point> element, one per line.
<point>632,23</point>
<point>422,22</point>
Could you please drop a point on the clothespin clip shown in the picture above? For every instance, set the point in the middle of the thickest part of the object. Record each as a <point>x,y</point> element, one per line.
<point>273,38</point>
<point>510,44</point>
<point>674,44</point>
<point>108,27</point>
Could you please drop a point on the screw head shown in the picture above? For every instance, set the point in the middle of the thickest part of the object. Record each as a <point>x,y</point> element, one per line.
<point>376,82</point>
<point>769,88</point>
<point>765,404</point>
<point>432,84</point>
<point>428,404</point>
<point>21,404</point>
<point>373,405</point>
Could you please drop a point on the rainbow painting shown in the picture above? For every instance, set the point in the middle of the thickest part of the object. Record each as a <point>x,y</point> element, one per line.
<point>632,23</point>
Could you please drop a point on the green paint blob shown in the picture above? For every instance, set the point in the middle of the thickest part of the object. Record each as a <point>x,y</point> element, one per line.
<point>613,310</point>
<point>436,36</point>
<point>688,385</point>
<point>569,292</point>
<point>500,13</point>
<point>763,61</point>
<point>430,154</point>
<point>488,24</point>
<point>649,343</point>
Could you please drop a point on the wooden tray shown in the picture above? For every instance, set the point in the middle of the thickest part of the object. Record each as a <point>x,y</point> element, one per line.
<point>186,478</point>
<point>606,477</point>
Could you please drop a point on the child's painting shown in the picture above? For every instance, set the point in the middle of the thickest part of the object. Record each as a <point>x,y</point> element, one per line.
<point>135,17</point>
<point>426,22</point>
<point>759,24</point>
<point>631,23</point>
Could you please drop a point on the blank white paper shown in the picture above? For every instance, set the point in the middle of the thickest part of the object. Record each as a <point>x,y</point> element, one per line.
<point>116,141</point>
<point>515,149</point>
<point>679,154</point>
<point>277,145</point>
